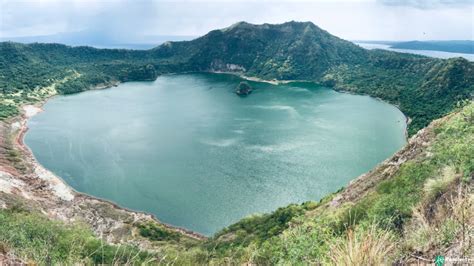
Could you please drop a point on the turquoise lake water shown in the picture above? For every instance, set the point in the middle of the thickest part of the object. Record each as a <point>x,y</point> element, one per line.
<point>190,151</point>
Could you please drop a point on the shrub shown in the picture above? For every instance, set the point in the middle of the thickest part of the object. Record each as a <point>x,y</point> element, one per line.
<point>157,232</point>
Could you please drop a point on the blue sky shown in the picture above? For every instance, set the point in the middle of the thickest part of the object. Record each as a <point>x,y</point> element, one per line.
<point>137,21</point>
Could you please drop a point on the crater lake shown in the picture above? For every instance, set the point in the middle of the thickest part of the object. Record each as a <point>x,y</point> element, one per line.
<point>190,151</point>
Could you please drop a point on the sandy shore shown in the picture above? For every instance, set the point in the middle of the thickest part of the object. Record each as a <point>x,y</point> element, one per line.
<point>271,81</point>
<point>58,186</point>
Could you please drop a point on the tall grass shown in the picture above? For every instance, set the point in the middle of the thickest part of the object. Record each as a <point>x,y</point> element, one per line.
<point>363,246</point>
<point>34,238</point>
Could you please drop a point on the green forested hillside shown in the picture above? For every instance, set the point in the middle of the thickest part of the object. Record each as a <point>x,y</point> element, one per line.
<point>424,88</point>
<point>28,67</point>
<point>289,51</point>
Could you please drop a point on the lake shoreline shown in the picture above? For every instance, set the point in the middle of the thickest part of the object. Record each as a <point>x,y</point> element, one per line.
<point>407,118</point>
<point>55,181</point>
<point>59,192</point>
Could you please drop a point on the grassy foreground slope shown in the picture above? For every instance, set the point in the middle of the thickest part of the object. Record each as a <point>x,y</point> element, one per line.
<point>414,206</point>
<point>418,204</point>
<point>29,237</point>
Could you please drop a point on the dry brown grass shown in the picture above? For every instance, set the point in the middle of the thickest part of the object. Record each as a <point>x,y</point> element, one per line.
<point>438,185</point>
<point>371,246</point>
<point>444,224</point>
<point>462,212</point>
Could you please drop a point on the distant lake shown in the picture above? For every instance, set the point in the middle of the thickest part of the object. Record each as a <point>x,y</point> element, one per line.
<point>431,53</point>
<point>190,151</point>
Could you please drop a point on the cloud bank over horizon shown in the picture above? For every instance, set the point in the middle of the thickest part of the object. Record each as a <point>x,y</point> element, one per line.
<point>141,21</point>
<point>427,3</point>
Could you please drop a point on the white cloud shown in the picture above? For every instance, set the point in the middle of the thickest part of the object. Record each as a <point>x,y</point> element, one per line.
<point>134,20</point>
<point>427,3</point>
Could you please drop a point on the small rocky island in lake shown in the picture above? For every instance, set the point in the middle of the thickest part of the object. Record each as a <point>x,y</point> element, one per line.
<point>243,89</point>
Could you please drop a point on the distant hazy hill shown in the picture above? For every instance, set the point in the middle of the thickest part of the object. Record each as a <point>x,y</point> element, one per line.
<point>99,39</point>
<point>466,47</point>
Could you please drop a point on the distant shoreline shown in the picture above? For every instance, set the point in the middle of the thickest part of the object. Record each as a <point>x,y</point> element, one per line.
<point>433,53</point>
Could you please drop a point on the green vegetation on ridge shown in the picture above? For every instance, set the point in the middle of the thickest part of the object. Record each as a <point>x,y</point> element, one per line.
<point>424,88</point>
